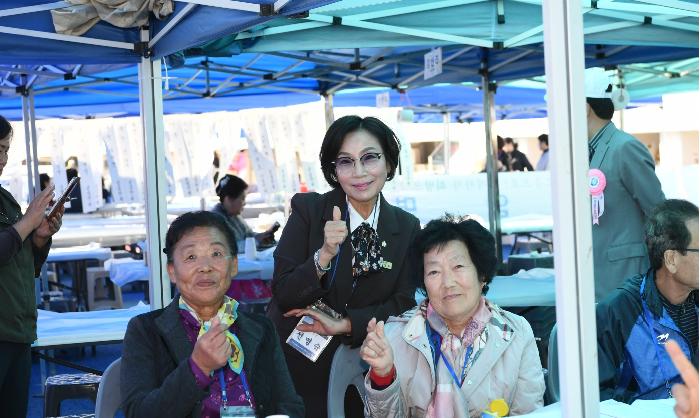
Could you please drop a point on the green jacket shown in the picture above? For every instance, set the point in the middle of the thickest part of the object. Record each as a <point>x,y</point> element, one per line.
<point>17,291</point>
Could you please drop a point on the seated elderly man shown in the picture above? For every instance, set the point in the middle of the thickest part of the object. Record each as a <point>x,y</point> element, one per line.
<point>455,353</point>
<point>199,356</point>
<point>638,319</point>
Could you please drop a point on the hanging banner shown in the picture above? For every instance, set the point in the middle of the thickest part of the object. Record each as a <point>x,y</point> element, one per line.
<point>124,151</point>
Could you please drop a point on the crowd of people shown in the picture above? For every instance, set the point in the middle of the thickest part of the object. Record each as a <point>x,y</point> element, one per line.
<point>347,267</point>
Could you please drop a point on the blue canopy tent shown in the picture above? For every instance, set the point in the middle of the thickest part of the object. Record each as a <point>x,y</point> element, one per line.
<point>28,38</point>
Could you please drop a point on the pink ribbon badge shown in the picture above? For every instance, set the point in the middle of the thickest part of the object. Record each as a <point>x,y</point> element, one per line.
<point>596,186</point>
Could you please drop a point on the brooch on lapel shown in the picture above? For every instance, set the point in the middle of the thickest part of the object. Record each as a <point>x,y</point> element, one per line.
<point>385,264</point>
<point>384,244</point>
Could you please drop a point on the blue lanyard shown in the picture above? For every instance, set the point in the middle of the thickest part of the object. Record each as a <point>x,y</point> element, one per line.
<point>244,382</point>
<point>435,342</point>
<point>649,321</point>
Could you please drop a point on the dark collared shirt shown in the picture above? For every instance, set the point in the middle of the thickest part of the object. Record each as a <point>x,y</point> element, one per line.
<point>593,142</point>
<point>685,317</point>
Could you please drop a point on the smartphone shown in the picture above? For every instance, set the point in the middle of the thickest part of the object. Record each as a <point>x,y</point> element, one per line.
<point>275,227</point>
<point>64,197</point>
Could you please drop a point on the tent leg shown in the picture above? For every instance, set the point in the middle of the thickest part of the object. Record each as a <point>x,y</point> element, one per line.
<point>446,145</point>
<point>573,257</point>
<point>28,148</point>
<point>491,167</point>
<point>35,140</point>
<point>151,103</point>
<point>328,109</point>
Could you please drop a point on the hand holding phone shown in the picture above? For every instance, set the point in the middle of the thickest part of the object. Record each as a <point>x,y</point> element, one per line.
<point>64,197</point>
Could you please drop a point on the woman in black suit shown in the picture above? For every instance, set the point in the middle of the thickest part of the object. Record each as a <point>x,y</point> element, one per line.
<point>347,248</point>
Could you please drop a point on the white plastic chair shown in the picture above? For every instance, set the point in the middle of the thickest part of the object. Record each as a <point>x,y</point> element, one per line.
<point>109,396</point>
<point>347,369</point>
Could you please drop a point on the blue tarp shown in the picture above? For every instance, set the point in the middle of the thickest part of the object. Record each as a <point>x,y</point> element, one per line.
<point>202,24</point>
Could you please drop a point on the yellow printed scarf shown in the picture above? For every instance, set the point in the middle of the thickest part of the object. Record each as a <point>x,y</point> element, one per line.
<point>228,312</point>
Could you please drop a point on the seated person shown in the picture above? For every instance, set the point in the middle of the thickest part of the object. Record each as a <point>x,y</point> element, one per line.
<point>456,352</point>
<point>232,192</point>
<point>175,358</point>
<point>650,309</point>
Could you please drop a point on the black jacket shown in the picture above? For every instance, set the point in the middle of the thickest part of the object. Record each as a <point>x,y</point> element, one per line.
<point>156,379</point>
<point>516,161</point>
<point>296,284</point>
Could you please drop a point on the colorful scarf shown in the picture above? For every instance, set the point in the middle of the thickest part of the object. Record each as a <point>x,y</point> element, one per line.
<point>228,313</point>
<point>445,402</point>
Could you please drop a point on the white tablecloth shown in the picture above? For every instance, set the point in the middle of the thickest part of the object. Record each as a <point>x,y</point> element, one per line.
<point>91,251</point>
<point>526,223</point>
<point>68,328</point>
<point>662,408</point>
<point>261,268</point>
<point>527,288</point>
<point>127,270</point>
<point>110,232</point>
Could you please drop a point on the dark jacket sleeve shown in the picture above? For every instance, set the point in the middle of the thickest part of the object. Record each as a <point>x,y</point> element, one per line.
<point>142,392</point>
<point>402,299</point>
<point>526,163</point>
<point>614,322</point>
<point>295,283</point>
<point>40,255</point>
<point>10,244</point>
<point>286,400</point>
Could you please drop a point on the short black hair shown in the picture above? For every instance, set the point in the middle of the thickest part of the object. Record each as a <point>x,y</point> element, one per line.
<point>333,141</point>
<point>232,186</point>
<point>602,107</point>
<point>191,220</point>
<point>478,240</point>
<point>544,138</point>
<point>44,179</point>
<point>5,128</point>
<point>666,229</point>
<point>499,141</point>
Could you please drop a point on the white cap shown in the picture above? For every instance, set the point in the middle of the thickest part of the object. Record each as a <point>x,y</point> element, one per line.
<point>597,84</point>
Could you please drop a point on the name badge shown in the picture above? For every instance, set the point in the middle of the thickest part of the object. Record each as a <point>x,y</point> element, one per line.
<point>310,344</point>
<point>237,411</point>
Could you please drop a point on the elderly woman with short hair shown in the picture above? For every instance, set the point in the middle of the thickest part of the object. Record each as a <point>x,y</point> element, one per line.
<point>199,354</point>
<point>456,352</point>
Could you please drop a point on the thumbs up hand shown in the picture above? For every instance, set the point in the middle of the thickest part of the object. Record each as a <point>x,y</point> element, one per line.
<point>334,233</point>
<point>376,350</point>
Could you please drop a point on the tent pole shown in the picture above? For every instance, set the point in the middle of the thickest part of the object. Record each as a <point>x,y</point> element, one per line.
<point>491,167</point>
<point>151,104</point>
<point>44,275</point>
<point>571,207</point>
<point>328,109</point>
<point>35,140</point>
<point>446,145</point>
<point>28,148</point>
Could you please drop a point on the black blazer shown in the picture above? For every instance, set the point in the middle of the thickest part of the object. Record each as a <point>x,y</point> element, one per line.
<point>156,380</point>
<point>295,282</point>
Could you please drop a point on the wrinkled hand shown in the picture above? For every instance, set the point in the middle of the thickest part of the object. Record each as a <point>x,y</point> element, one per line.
<point>323,324</point>
<point>35,214</point>
<point>212,350</point>
<point>50,226</point>
<point>376,350</point>
<point>334,233</point>
<point>686,395</point>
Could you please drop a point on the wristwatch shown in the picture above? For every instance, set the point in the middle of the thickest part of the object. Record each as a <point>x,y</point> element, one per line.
<point>317,262</point>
